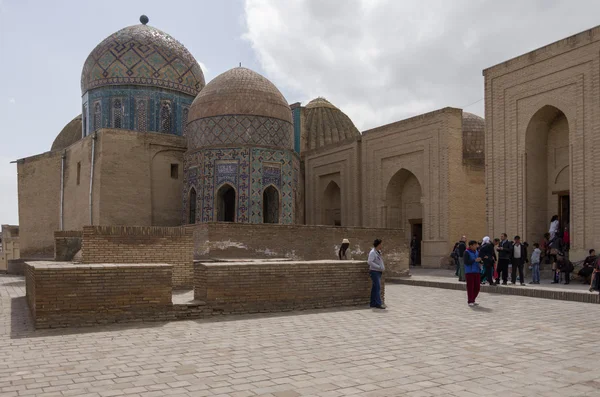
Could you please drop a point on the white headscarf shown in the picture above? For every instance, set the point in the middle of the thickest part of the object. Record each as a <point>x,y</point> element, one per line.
<point>486,240</point>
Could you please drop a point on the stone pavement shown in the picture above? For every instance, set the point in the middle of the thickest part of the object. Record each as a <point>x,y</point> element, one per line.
<point>428,343</point>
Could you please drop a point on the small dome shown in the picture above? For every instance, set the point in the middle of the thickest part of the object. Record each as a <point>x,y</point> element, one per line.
<point>240,91</point>
<point>142,55</point>
<point>473,131</point>
<point>326,124</point>
<point>70,134</point>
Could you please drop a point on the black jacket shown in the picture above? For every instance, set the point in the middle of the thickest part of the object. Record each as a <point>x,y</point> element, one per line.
<point>523,259</point>
<point>487,250</point>
<point>504,251</point>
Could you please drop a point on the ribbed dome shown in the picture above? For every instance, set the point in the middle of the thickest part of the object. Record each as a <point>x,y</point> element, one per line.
<point>473,131</point>
<point>325,124</point>
<point>240,91</point>
<point>70,134</point>
<point>142,55</point>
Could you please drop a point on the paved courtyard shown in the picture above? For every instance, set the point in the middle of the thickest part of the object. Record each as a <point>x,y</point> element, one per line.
<point>429,343</point>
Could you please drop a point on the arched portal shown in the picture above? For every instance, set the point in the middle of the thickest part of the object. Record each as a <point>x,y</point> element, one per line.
<point>331,213</point>
<point>403,209</point>
<point>192,206</point>
<point>547,171</point>
<point>271,205</point>
<point>226,204</point>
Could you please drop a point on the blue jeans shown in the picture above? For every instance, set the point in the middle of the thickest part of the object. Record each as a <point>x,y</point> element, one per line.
<point>535,272</point>
<point>376,288</point>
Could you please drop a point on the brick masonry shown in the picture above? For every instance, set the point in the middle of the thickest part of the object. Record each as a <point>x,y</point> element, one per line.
<point>298,242</point>
<point>124,244</point>
<point>65,295</point>
<point>562,76</point>
<point>66,244</point>
<point>250,287</point>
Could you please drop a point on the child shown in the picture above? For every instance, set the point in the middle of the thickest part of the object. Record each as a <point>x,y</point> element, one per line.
<point>472,269</point>
<point>535,263</point>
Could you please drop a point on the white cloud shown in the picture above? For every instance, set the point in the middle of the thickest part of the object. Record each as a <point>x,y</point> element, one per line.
<point>204,68</point>
<point>12,100</point>
<point>385,60</point>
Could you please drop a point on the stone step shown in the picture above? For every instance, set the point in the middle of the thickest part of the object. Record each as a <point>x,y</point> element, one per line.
<point>529,290</point>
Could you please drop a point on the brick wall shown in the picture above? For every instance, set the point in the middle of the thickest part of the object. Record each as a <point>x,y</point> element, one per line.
<point>124,244</point>
<point>299,242</point>
<point>517,93</point>
<point>66,295</point>
<point>248,287</point>
<point>66,244</point>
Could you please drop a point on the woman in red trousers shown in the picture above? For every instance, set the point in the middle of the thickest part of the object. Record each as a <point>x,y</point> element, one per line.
<point>472,272</point>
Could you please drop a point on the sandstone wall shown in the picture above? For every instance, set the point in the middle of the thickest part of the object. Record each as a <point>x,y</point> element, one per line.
<point>340,164</point>
<point>563,77</point>
<point>39,203</point>
<point>122,244</point>
<point>300,242</point>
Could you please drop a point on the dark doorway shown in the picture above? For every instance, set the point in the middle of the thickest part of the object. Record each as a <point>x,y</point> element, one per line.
<point>192,204</point>
<point>271,205</point>
<point>416,228</point>
<point>564,209</point>
<point>226,204</point>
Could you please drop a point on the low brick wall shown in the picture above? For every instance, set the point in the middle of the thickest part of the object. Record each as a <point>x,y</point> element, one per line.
<point>298,242</point>
<point>125,244</point>
<point>251,287</point>
<point>66,244</point>
<point>71,295</point>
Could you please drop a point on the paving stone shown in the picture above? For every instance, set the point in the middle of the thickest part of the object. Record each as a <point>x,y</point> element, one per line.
<point>428,343</point>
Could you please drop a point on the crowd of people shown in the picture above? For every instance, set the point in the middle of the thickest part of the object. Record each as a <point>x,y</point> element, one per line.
<point>487,261</point>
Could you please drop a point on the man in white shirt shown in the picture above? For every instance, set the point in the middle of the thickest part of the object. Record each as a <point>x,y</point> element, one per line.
<point>519,258</point>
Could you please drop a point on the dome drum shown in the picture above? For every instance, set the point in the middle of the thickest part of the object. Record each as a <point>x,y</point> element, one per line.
<point>240,107</point>
<point>240,130</point>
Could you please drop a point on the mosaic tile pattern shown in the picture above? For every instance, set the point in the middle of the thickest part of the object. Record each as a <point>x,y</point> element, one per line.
<point>241,130</point>
<point>139,109</point>
<point>249,171</point>
<point>142,55</point>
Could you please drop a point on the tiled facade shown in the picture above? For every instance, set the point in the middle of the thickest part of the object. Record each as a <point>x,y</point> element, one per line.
<point>144,109</point>
<point>240,130</point>
<point>142,55</point>
<point>249,170</point>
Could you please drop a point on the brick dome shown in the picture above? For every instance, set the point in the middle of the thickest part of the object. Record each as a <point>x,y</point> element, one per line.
<point>473,132</point>
<point>142,55</point>
<point>326,124</point>
<point>240,91</point>
<point>70,134</point>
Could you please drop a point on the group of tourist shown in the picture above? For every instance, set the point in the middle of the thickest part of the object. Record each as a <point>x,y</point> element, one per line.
<point>487,261</point>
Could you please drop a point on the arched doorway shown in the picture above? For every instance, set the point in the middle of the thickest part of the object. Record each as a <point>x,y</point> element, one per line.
<point>403,208</point>
<point>192,206</point>
<point>332,205</point>
<point>226,204</point>
<point>271,205</point>
<point>547,171</point>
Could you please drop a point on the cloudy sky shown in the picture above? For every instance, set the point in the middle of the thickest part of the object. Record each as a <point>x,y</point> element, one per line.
<point>378,60</point>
